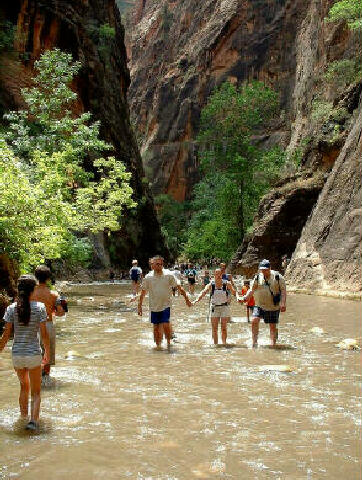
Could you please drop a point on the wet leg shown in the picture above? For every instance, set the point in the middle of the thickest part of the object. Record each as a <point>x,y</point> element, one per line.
<point>23,376</point>
<point>214,326</point>
<point>224,331</point>
<point>255,330</point>
<point>167,332</point>
<point>35,387</point>
<point>273,333</point>
<point>157,334</point>
<point>46,369</point>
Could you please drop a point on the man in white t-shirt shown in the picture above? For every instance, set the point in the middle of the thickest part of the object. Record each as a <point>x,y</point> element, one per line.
<point>158,284</point>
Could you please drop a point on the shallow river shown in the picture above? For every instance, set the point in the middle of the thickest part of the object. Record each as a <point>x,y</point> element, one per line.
<point>118,409</point>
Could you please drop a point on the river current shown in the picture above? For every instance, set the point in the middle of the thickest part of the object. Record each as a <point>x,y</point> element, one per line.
<point>118,409</point>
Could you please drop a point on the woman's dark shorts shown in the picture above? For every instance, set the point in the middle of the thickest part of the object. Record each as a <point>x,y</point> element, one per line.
<point>191,281</point>
<point>269,316</point>
<point>161,317</point>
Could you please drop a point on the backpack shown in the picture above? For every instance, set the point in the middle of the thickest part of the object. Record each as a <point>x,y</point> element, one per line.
<point>135,274</point>
<point>276,297</point>
<point>191,273</point>
<point>224,287</point>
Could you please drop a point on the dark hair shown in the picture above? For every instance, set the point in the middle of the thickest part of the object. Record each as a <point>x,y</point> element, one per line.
<point>42,273</point>
<point>26,285</point>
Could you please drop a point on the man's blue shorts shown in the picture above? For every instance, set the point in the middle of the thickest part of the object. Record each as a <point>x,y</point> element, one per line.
<point>160,317</point>
<point>269,316</point>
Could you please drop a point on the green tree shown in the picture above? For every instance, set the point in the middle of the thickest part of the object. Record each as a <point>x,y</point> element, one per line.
<point>48,197</point>
<point>173,217</point>
<point>236,173</point>
<point>47,123</point>
<point>348,10</point>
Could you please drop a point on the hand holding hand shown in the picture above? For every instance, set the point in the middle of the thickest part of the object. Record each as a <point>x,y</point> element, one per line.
<point>239,298</point>
<point>188,302</point>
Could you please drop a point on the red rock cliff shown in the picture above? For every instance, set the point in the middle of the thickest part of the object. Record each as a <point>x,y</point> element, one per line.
<point>102,87</point>
<point>180,50</point>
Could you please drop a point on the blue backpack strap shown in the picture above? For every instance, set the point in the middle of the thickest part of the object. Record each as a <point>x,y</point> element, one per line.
<point>224,287</point>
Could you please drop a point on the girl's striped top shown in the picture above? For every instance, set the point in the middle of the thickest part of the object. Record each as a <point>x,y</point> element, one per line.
<point>26,337</point>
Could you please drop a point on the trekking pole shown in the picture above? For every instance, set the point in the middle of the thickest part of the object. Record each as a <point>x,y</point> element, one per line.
<point>208,310</point>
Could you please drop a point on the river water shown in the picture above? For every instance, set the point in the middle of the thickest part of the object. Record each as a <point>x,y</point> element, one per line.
<point>118,409</point>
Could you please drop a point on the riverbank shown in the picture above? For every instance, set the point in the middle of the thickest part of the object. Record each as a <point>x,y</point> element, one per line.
<point>342,295</point>
<point>92,277</point>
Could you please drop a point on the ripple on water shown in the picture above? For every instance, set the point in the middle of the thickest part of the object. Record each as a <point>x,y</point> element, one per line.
<point>204,412</point>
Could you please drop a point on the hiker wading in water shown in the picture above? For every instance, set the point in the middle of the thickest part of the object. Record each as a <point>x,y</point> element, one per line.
<point>135,274</point>
<point>158,284</point>
<point>27,318</point>
<point>269,290</point>
<point>54,308</point>
<point>220,309</point>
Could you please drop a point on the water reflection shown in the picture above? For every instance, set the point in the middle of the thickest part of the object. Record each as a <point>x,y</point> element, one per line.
<point>119,409</point>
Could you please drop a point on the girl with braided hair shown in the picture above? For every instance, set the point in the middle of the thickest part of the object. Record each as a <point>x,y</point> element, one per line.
<point>26,318</point>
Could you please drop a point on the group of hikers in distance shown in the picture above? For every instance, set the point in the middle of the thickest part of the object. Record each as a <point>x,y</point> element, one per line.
<point>36,305</point>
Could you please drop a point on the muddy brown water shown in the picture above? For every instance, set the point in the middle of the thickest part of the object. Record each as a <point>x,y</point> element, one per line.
<point>118,409</point>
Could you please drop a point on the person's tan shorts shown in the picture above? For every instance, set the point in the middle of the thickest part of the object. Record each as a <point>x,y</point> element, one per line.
<point>26,361</point>
<point>221,311</point>
<point>50,326</point>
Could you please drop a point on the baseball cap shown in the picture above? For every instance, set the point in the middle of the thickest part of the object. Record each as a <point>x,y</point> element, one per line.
<point>264,264</point>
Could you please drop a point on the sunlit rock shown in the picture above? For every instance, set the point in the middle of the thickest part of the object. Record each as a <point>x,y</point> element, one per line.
<point>275,368</point>
<point>348,344</point>
<point>316,330</point>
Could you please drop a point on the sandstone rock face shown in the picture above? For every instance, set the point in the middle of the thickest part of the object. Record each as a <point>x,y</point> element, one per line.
<point>102,87</point>
<point>328,254</point>
<point>180,50</point>
<point>316,46</point>
<point>278,223</point>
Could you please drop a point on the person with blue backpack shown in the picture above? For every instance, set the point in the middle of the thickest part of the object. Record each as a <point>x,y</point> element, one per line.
<point>135,274</point>
<point>219,290</point>
<point>191,275</point>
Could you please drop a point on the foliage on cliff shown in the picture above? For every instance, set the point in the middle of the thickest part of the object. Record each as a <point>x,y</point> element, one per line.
<point>236,172</point>
<point>348,10</point>
<point>47,196</point>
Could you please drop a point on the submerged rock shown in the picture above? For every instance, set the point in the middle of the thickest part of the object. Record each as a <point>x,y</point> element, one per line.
<point>72,354</point>
<point>317,330</point>
<point>275,368</point>
<point>348,344</point>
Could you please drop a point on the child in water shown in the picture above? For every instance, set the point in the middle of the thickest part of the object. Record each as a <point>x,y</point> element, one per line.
<point>250,304</point>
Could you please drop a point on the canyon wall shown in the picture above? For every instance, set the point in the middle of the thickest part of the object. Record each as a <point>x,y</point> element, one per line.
<point>181,50</point>
<point>328,253</point>
<point>101,85</point>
